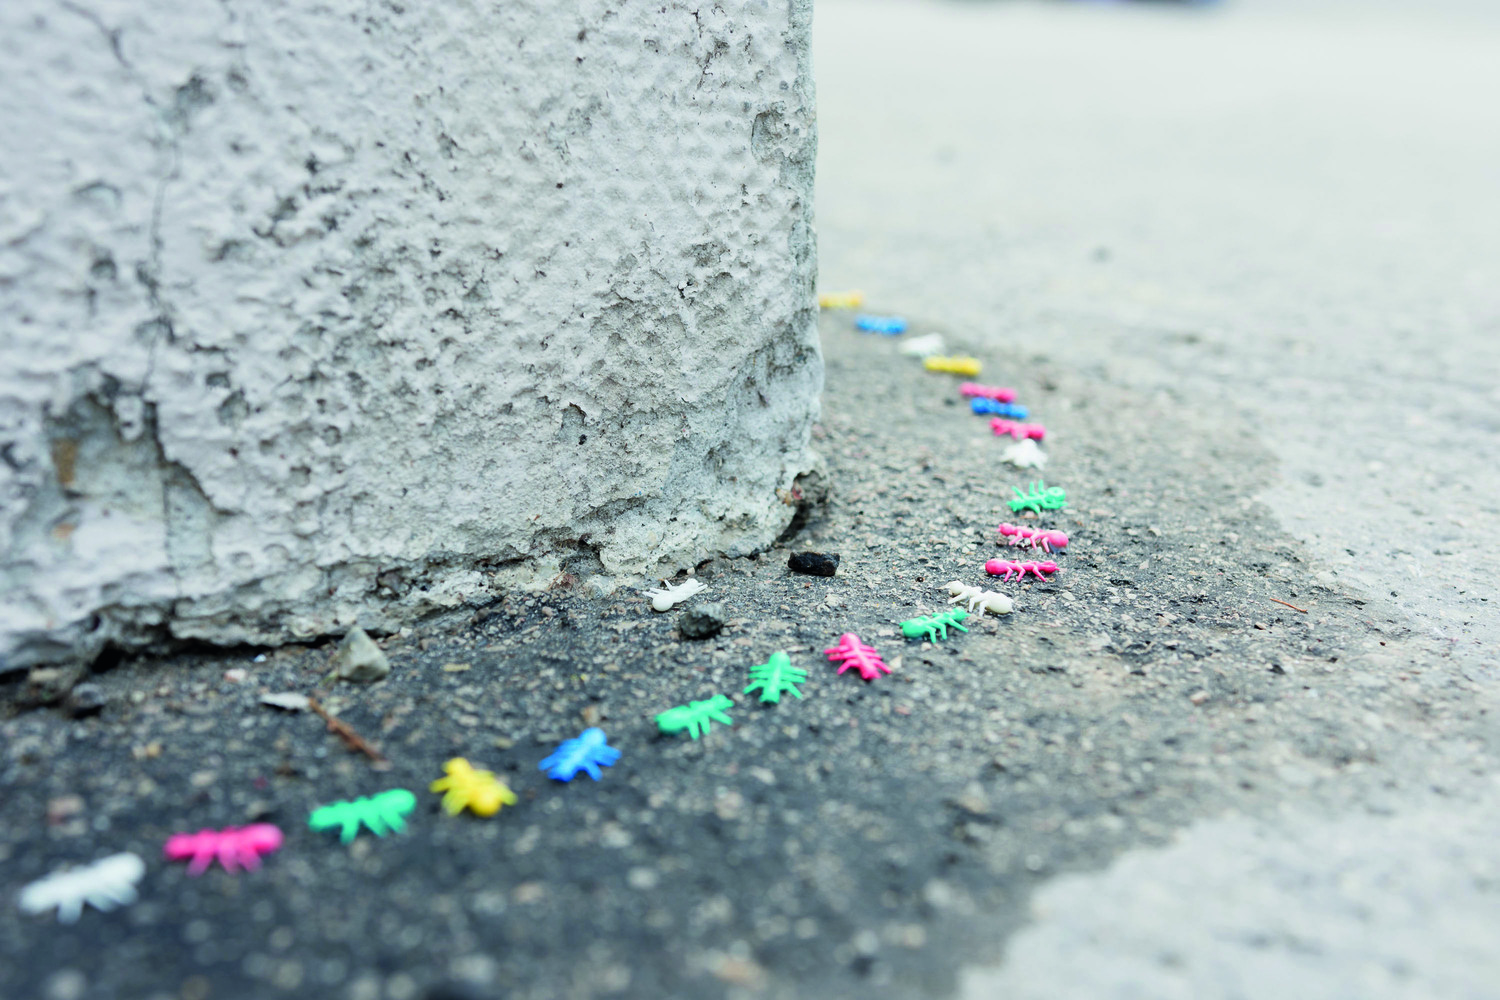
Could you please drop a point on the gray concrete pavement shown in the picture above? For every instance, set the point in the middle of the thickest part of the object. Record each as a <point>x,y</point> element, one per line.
<point>1280,218</point>
<point>1363,908</point>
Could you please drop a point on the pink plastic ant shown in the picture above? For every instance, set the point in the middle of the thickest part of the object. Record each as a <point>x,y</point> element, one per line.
<point>1046,540</point>
<point>988,392</point>
<point>853,653</point>
<point>233,846</point>
<point>1007,569</point>
<point>1016,429</point>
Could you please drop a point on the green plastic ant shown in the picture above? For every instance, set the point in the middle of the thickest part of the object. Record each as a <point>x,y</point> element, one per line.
<point>379,813</point>
<point>695,716</point>
<point>776,677</point>
<point>934,626</point>
<point>1038,497</point>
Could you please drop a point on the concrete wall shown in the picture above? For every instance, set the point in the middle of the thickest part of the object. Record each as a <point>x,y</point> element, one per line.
<point>316,313</point>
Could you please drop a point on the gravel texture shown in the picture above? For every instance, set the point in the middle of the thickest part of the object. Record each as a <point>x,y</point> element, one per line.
<point>861,842</point>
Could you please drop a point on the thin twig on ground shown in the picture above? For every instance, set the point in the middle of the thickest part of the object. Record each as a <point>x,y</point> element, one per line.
<point>1292,606</point>
<point>345,732</point>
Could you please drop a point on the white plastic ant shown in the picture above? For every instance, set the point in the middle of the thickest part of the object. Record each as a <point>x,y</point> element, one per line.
<point>104,885</point>
<point>674,594</point>
<point>1025,455</point>
<point>985,600</point>
<point>923,346</point>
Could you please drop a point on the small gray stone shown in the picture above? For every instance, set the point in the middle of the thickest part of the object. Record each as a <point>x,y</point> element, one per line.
<point>702,622</point>
<point>358,659</point>
<point>86,699</point>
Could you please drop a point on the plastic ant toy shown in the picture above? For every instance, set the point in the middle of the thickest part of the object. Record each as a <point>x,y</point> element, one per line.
<point>233,846</point>
<point>104,885</point>
<point>468,787</point>
<point>1006,569</point>
<point>999,409</point>
<point>890,325</point>
<point>1024,454</point>
<point>924,346</point>
<point>776,677</point>
<point>1037,538</point>
<point>853,653</point>
<point>983,600</point>
<point>1002,427</point>
<point>952,365</point>
<point>696,716</point>
<point>674,593</point>
<point>1038,497</point>
<point>841,300</point>
<point>994,392</point>
<point>380,814</point>
<point>933,626</point>
<point>587,752</point>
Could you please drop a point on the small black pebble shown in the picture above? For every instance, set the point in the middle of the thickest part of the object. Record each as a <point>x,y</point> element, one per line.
<point>701,622</point>
<point>813,563</point>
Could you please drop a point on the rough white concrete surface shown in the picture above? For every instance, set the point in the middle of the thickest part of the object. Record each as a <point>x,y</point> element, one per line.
<point>316,313</point>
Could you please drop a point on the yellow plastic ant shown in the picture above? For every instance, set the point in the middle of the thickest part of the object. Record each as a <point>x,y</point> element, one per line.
<point>841,300</point>
<point>952,365</point>
<point>480,791</point>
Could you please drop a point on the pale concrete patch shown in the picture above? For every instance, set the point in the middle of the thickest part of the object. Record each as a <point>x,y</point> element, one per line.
<point>1366,907</point>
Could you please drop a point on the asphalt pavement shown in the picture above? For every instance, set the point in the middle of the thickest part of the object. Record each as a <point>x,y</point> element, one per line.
<point>1277,220</point>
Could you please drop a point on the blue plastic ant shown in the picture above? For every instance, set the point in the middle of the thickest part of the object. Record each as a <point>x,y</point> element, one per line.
<point>588,752</point>
<point>1012,410</point>
<point>891,325</point>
